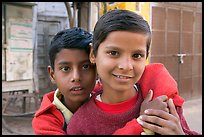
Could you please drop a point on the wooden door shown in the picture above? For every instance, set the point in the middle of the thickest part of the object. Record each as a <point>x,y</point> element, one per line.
<point>176,43</point>
<point>46,30</point>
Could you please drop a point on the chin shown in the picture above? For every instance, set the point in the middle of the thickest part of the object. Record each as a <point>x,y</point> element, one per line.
<point>122,89</point>
<point>82,99</point>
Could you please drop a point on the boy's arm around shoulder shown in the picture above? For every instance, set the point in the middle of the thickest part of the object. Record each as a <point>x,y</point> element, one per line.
<point>157,78</point>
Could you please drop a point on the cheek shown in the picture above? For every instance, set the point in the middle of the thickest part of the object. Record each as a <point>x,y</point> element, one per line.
<point>104,64</point>
<point>139,69</point>
<point>61,83</point>
<point>62,80</point>
<point>89,81</point>
<point>89,76</point>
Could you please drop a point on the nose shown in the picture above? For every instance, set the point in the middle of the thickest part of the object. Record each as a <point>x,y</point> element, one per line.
<point>125,64</point>
<point>75,76</point>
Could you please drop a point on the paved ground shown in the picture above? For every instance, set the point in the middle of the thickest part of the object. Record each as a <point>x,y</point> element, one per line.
<point>192,113</point>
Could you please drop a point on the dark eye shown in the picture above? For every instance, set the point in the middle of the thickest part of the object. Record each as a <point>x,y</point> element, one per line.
<point>137,56</point>
<point>86,66</point>
<point>66,69</point>
<point>113,53</point>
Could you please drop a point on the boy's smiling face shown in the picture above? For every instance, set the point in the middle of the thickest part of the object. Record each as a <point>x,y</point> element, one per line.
<point>120,60</point>
<point>73,74</point>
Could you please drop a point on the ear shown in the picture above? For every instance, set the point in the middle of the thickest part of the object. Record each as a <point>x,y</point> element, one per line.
<point>51,74</point>
<point>92,56</point>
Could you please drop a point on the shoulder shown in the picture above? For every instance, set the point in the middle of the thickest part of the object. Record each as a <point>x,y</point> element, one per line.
<point>46,104</point>
<point>157,78</point>
<point>47,111</point>
<point>49,121</point>
<point>49,114</point>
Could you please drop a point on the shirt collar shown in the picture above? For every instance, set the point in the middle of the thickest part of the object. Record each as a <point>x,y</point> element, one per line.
<point>57,102</point>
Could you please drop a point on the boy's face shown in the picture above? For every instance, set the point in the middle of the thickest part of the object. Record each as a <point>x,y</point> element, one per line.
<point>73,74</point>
<point>120,60</point>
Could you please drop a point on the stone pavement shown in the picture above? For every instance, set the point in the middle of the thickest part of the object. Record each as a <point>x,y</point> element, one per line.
<point>192,113</point>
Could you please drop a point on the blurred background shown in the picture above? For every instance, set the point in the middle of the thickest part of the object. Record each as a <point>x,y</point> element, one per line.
<point>28,27</point>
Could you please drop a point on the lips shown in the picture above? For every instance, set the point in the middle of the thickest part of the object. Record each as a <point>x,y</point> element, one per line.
<point>122,76</point>
<point>76,88</point>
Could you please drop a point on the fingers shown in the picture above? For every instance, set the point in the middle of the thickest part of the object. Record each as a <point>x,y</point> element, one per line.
<point>163,98</point>
<point>167,109</point>
<point>151,126</point>
<point>163,101</point>
<point>146,131</point>
<point>159,102</point>
<point>172,108</point>
<point>158,113</point>
<point>160,121</point>
<point>153,119</point>
<point>156,123</point>
<point>159,118</point>
<point>149,96</point>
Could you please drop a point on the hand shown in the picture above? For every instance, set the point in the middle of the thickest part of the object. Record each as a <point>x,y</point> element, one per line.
<point>162,122</point>
<point>158,103</point>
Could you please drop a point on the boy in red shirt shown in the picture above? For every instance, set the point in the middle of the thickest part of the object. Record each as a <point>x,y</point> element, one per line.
<point>70,69</point>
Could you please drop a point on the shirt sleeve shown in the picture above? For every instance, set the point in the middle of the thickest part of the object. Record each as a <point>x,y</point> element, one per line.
<point>131,128</point>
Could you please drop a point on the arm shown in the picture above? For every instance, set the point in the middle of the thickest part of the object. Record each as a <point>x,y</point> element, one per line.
<point>48,125</point>
<point>157,78</point>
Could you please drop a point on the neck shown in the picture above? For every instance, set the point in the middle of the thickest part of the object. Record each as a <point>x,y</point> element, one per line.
<point>113,97</point>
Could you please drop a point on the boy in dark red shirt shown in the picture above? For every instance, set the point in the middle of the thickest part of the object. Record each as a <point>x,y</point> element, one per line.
<point>121,43</point>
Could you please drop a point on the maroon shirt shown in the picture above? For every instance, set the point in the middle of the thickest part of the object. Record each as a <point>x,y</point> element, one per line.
<point>91,120</point>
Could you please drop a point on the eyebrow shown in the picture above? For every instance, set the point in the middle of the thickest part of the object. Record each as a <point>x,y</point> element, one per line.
<point>116,48</point>
<point>67,63</point>
<point>112,47</point>
<point>140,51</point>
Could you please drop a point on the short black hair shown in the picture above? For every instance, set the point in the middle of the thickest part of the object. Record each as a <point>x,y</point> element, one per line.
<point>74,38</point>
<point>119,20</point>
